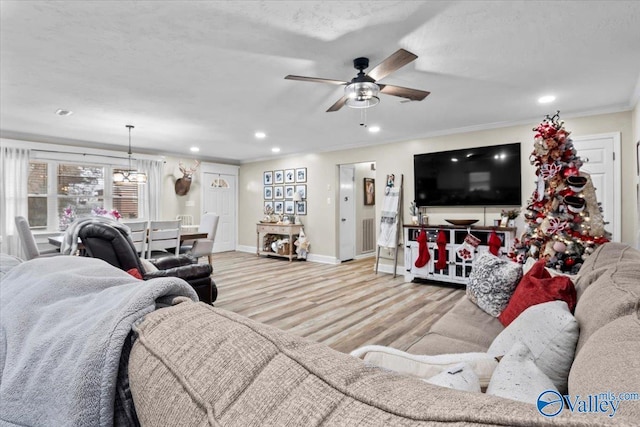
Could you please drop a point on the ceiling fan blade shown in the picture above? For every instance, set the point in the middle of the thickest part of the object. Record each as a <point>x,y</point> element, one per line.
<point>404,92</point>
<point>316,80</point>
<point>338,105</point>
<point>396,61</point>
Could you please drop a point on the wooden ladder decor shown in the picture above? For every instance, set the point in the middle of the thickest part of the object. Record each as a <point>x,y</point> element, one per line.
<point>391,220</point>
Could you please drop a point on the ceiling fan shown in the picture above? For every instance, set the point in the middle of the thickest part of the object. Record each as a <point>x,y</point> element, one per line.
<point>362,91</point>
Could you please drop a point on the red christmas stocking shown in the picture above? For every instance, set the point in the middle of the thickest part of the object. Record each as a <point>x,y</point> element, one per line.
<point>467,250</point>
<point>423,250</point>
<point>441,241</point>
<point>494,243</point>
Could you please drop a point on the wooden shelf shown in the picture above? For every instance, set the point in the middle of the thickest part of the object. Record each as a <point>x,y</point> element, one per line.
<point>288,230</point>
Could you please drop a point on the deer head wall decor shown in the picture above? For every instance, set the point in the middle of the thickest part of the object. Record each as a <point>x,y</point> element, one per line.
<point>184,184</point>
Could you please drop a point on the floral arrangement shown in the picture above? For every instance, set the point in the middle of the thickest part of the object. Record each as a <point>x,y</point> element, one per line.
<point>100,211</point>
<point>510,214</point>
<point>67,217</point>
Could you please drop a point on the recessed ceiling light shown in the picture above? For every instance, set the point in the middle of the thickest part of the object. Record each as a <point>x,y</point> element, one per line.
<point>275,150</point>
<point>63,112</point>
<point>260,135</point>
<point>374,129</point>
<point>194,149</point>
<point>546,99</point>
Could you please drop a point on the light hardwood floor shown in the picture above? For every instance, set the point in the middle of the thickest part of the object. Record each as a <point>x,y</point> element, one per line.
<point>344,306</point>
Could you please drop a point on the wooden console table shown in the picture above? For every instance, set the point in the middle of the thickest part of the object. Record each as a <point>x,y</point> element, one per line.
<point>457,270</point>
<point>288,230</point>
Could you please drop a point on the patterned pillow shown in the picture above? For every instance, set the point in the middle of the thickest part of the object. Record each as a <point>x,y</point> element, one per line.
<point>492,282</point>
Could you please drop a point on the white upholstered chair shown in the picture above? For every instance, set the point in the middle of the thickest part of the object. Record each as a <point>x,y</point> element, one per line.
<point>204,247</point>
<point>29,244</point>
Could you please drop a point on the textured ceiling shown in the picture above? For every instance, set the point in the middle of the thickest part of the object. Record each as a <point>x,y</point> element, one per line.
<point>210,74</point>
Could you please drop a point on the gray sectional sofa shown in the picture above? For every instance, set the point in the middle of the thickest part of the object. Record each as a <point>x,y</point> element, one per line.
<point>192,364</point>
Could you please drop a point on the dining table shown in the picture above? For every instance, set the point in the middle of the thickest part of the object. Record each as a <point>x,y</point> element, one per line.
<point>189,235</point>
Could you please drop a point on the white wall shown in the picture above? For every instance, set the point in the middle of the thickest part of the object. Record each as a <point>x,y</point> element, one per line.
<point>397,158</point>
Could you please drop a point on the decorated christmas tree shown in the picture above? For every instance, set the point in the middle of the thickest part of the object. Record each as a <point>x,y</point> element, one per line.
<point>563,219</point>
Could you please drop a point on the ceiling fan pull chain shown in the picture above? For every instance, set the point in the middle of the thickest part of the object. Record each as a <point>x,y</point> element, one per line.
<point>363,117</point>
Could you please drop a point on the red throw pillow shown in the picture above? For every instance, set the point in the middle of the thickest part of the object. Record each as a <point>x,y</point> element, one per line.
<point>135,273</point>
<point>537,287</point>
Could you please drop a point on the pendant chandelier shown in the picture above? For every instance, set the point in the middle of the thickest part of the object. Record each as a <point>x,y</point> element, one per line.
<point>130,175</point>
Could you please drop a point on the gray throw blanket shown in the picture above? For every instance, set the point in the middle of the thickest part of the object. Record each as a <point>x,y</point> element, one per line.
<point>70,243</point>
<point>63,323</point>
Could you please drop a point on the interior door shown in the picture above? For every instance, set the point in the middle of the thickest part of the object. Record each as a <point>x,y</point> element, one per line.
<point>347,213</point>
<point>597,153</point>
<point>220,198</point>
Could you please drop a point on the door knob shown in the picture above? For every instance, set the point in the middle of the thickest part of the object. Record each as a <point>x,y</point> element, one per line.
<point>344,219</point>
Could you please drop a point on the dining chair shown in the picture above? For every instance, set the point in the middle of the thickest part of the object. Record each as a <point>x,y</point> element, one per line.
<point>204,247</point>
<point>28,240</point>
<point>139,231</point>
<point>185,219</point>
<point>164,236</point>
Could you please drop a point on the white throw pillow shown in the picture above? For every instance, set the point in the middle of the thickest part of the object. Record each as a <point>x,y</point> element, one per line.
<point>424,366</point>
<point>550,331</point>
<point>492,282</point>
<point>458,377</point>
<point>517,377</point>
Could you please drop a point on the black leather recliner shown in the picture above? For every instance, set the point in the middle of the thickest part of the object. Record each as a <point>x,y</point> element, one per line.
<point>112,245</point>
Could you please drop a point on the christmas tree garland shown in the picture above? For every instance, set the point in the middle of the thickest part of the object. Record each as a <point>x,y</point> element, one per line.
<point>563,219</point>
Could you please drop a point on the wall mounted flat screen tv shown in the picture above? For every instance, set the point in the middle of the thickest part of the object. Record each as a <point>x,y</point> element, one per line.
<point>479,176</point>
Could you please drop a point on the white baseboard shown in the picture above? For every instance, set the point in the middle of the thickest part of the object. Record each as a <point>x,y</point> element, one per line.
<point>321,259</point>
<point>249,249</point>
<point>366,255</point>
<point>388,268</point>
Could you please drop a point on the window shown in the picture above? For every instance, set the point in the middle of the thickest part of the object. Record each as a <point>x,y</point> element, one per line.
<point>55,186</point>
<point>37,199</point>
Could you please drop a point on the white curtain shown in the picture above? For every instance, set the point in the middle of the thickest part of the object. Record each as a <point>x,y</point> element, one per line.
<point>150,194</point>
<point>14,191</point>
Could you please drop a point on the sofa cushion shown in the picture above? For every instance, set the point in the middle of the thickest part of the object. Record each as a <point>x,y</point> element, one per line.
<point>601,260</point>
<point>240,372</point>
<point>609,361</point>
<point>466,323</point>
<point>537,286</point>
<point>550,332</point>
<point>492,282</point>
<point>433,343</point>
<point>613,294</point>
<point>518,377</point>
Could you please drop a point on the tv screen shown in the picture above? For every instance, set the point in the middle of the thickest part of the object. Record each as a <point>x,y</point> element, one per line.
<point>479,176</point>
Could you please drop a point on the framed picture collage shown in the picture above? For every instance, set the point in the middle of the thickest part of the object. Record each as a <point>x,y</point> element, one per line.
<point>285,191</point>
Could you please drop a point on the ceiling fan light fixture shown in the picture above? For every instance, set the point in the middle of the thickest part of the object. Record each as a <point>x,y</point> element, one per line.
<point>362,94</point>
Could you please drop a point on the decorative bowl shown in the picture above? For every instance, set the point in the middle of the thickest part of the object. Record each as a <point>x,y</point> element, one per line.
<point>461,221</point>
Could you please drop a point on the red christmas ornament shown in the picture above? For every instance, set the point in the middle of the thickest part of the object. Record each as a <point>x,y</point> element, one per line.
<point>570,171</point>
<point>569,262</point>
<point>567,192</point>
